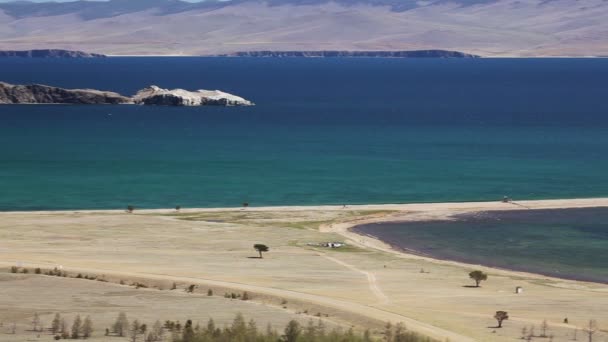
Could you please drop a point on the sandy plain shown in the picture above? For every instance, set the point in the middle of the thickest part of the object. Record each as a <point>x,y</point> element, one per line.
<point>364,284</point>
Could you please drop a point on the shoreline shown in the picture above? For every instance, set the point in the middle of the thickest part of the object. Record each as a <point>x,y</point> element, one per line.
<point>410,212</point>
<point>445,211</point>
<point>465,262</point>
<point>432,209</point>
<point>480,57</point>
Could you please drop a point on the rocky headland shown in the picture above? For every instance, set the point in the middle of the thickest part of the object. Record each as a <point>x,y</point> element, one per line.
<point>153,95</point>
<point>49,53</point>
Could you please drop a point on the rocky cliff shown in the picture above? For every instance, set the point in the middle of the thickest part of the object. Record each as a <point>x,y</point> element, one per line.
<point>42,94</point>
<point>50,53</point>
<point>379,54</point>
<point>36,93</point>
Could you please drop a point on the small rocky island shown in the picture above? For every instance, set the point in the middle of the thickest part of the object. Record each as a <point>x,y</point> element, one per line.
<point>49,53</point>
<point>153,95</point>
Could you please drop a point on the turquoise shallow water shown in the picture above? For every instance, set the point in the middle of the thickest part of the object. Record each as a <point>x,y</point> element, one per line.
<point>324,131</point>
<point>566,243</point>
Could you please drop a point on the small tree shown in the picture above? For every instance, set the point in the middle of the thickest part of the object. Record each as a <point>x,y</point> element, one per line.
<point>134,331</point>
<point>501,316</point>
<point>261,249</point>
<point>76,327</point>
<point>130,209</point>
<point>478,276</point>
<point>292,331</point>
<point>157,331</point>
<point>121,325</point>
<point>210,292</point>
<point>178,208</point>
<point>35,322</point>
<point>63,327</point>
<point>245,204</point>
<point>56,324</point>
<point>87,327</point>
<point>388,331</point>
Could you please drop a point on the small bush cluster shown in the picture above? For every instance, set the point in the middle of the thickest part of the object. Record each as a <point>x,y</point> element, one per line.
<point>232,295</point>
<point>55,272</point>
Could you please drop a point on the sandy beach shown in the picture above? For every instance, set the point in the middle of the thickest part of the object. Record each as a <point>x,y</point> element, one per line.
<point>364,284</point>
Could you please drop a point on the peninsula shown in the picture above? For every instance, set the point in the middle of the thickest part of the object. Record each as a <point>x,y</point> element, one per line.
<point>49,53</point>
<point>153,95</point>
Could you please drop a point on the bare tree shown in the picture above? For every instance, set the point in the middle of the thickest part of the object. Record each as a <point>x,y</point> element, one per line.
<point>591,329</point>
<point>543,328</point>
<point>35,322</point>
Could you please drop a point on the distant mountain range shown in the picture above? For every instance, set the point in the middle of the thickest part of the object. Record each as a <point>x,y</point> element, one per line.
<point>174,27</point>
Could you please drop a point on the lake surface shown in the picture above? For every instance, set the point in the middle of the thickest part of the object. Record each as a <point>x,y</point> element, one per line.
<point>324,131</point>
<point>566,243</point>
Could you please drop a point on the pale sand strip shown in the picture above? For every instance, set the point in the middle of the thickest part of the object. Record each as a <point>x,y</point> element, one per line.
<point>432,209</point>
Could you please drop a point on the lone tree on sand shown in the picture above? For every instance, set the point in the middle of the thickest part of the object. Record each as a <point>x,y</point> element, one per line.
<point>261,248</point>
<point>130,209</point>
<point>501,316</point>
<point>478,276</point>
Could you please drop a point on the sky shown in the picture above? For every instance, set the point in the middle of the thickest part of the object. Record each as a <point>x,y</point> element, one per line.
<point>3,1</point>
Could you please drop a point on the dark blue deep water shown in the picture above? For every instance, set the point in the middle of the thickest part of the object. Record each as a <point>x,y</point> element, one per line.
<point>324,131</point>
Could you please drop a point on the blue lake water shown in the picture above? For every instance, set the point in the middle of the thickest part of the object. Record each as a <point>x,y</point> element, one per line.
<point>324,131</point>
<point>566,243</point>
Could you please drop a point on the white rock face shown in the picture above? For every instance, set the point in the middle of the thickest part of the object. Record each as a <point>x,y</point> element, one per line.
<point>154,95</point>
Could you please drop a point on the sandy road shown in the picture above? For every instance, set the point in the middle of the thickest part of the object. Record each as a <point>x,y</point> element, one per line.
<point>371,279</point>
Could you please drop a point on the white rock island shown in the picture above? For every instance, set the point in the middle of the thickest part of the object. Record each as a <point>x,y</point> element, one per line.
<point>154,95</point>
